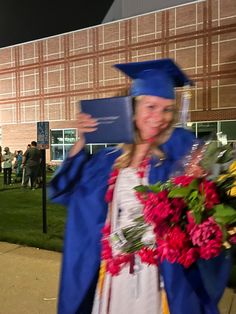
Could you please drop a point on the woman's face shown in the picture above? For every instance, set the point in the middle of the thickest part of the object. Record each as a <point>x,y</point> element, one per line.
<point>153,114</point>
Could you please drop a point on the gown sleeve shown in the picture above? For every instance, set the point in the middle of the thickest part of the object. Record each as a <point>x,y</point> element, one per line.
<point>197,289</point>
<point>80,184</point>
<point>66,177</point>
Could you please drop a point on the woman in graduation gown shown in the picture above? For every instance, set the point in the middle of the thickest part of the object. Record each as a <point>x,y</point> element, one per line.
<point>81,184</point>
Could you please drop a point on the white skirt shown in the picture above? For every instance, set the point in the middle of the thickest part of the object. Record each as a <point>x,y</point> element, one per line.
<point>137,293</point>
<point>126,293</point>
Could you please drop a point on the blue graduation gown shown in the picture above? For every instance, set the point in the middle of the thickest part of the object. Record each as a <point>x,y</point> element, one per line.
<point>80,185</point>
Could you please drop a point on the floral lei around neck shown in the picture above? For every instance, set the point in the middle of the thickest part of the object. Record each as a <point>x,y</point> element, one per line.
<point>115,262</point>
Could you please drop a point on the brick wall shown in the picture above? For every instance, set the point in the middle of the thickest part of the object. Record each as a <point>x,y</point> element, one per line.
<point>44,79</point>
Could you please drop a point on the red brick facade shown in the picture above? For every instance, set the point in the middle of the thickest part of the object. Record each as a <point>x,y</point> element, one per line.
<point>44,79</point>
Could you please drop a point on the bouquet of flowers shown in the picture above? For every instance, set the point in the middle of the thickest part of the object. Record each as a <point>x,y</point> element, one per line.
<point>191,216</point>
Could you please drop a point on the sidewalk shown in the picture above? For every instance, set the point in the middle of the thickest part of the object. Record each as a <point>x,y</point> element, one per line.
<point>28,280</point>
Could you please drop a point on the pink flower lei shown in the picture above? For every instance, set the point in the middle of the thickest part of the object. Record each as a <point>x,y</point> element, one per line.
<point>114,263</point>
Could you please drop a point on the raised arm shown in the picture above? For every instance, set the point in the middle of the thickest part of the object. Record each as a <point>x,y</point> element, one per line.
<point>70,172</point>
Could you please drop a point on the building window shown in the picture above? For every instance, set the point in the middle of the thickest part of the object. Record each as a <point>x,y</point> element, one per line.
<point>61,143</point>
<point>94,148</point>
<point>229,128</point>
<point>210,129</point>
<point>207,129</point>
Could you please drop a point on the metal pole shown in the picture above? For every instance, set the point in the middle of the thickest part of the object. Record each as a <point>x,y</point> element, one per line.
<point>44,194</point>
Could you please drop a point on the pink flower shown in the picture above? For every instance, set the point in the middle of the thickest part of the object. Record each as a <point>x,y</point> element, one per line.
<point>205,233</point>
<point>183,180</point>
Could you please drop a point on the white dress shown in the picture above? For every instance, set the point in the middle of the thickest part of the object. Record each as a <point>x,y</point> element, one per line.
<point>137,293</point>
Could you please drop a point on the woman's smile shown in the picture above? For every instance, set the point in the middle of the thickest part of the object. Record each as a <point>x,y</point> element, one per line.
<point>153,115</point>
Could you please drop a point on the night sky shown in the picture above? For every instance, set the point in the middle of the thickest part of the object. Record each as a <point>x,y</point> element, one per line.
<point>26,20</point>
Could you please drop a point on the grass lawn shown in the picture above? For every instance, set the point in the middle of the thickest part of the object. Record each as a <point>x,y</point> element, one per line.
<point>21,218</point>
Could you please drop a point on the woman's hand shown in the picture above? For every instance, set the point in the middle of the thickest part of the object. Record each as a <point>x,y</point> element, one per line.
<point>86,124</point>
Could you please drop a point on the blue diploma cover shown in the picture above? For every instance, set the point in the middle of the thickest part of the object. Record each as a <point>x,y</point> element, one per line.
<point>115,119</point>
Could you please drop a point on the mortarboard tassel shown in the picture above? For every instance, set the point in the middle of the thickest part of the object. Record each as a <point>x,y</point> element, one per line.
<point>185,103</point>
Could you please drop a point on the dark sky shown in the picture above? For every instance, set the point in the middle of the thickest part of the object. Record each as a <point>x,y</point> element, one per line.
<point>26,20</point>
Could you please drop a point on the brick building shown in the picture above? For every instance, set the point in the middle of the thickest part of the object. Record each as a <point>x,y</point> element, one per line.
<point>43,80</point>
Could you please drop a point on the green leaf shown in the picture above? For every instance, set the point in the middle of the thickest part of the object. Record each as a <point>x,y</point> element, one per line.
<point>222,210</point>
<point>226,154</point>
<point>139,219</point>
<point>194,185</point>
<point>179,192</point>
<point>225,220</point>
<point>155,188</point>
<point>197,216</point>
<point>141,188</point>
<point>210,155</point>
<point>224,214</point>
<point>193,195</point>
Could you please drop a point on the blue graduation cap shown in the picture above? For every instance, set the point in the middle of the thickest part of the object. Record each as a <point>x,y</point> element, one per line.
<point>154,78</point>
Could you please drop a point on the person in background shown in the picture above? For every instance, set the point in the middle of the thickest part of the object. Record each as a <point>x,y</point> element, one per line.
<point>31,163</point>
<point>23,170</point>
<point>7,159</point>
<point>18,165</point>
<point>81,185</point>
<point>0,159</point>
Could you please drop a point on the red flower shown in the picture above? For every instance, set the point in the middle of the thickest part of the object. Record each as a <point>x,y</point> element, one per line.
<point>142,197</point>
<point>109,194</point>
<point>111,185</point>
<point>162,229</point>
<point>106,230</point>
<point>183,180</point>
<point>178,205</point>
<point>208,188</point>
<point>166,251</point>
<point>157,207</point>
<point>188,257</point>
<point>232,239</point>
<point>113,267</point>
<point>148,255</point>
<point>106,249</point>
<point>172,245</point>
<point>212,249</point>
<point>113,176</point>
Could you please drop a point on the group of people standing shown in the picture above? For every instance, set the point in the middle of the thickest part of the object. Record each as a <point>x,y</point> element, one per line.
<point>25,165</point>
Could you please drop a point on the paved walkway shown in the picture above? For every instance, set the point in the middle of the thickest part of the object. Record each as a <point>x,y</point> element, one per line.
<point>29,281</point>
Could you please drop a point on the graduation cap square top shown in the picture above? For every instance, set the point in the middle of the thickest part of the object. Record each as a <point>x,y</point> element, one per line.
<point>154,78</point>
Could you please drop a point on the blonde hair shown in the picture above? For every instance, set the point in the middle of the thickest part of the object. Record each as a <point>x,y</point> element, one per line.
<point>128,149</point>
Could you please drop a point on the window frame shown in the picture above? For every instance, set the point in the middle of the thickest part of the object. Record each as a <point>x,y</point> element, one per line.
<point>61,144</point>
